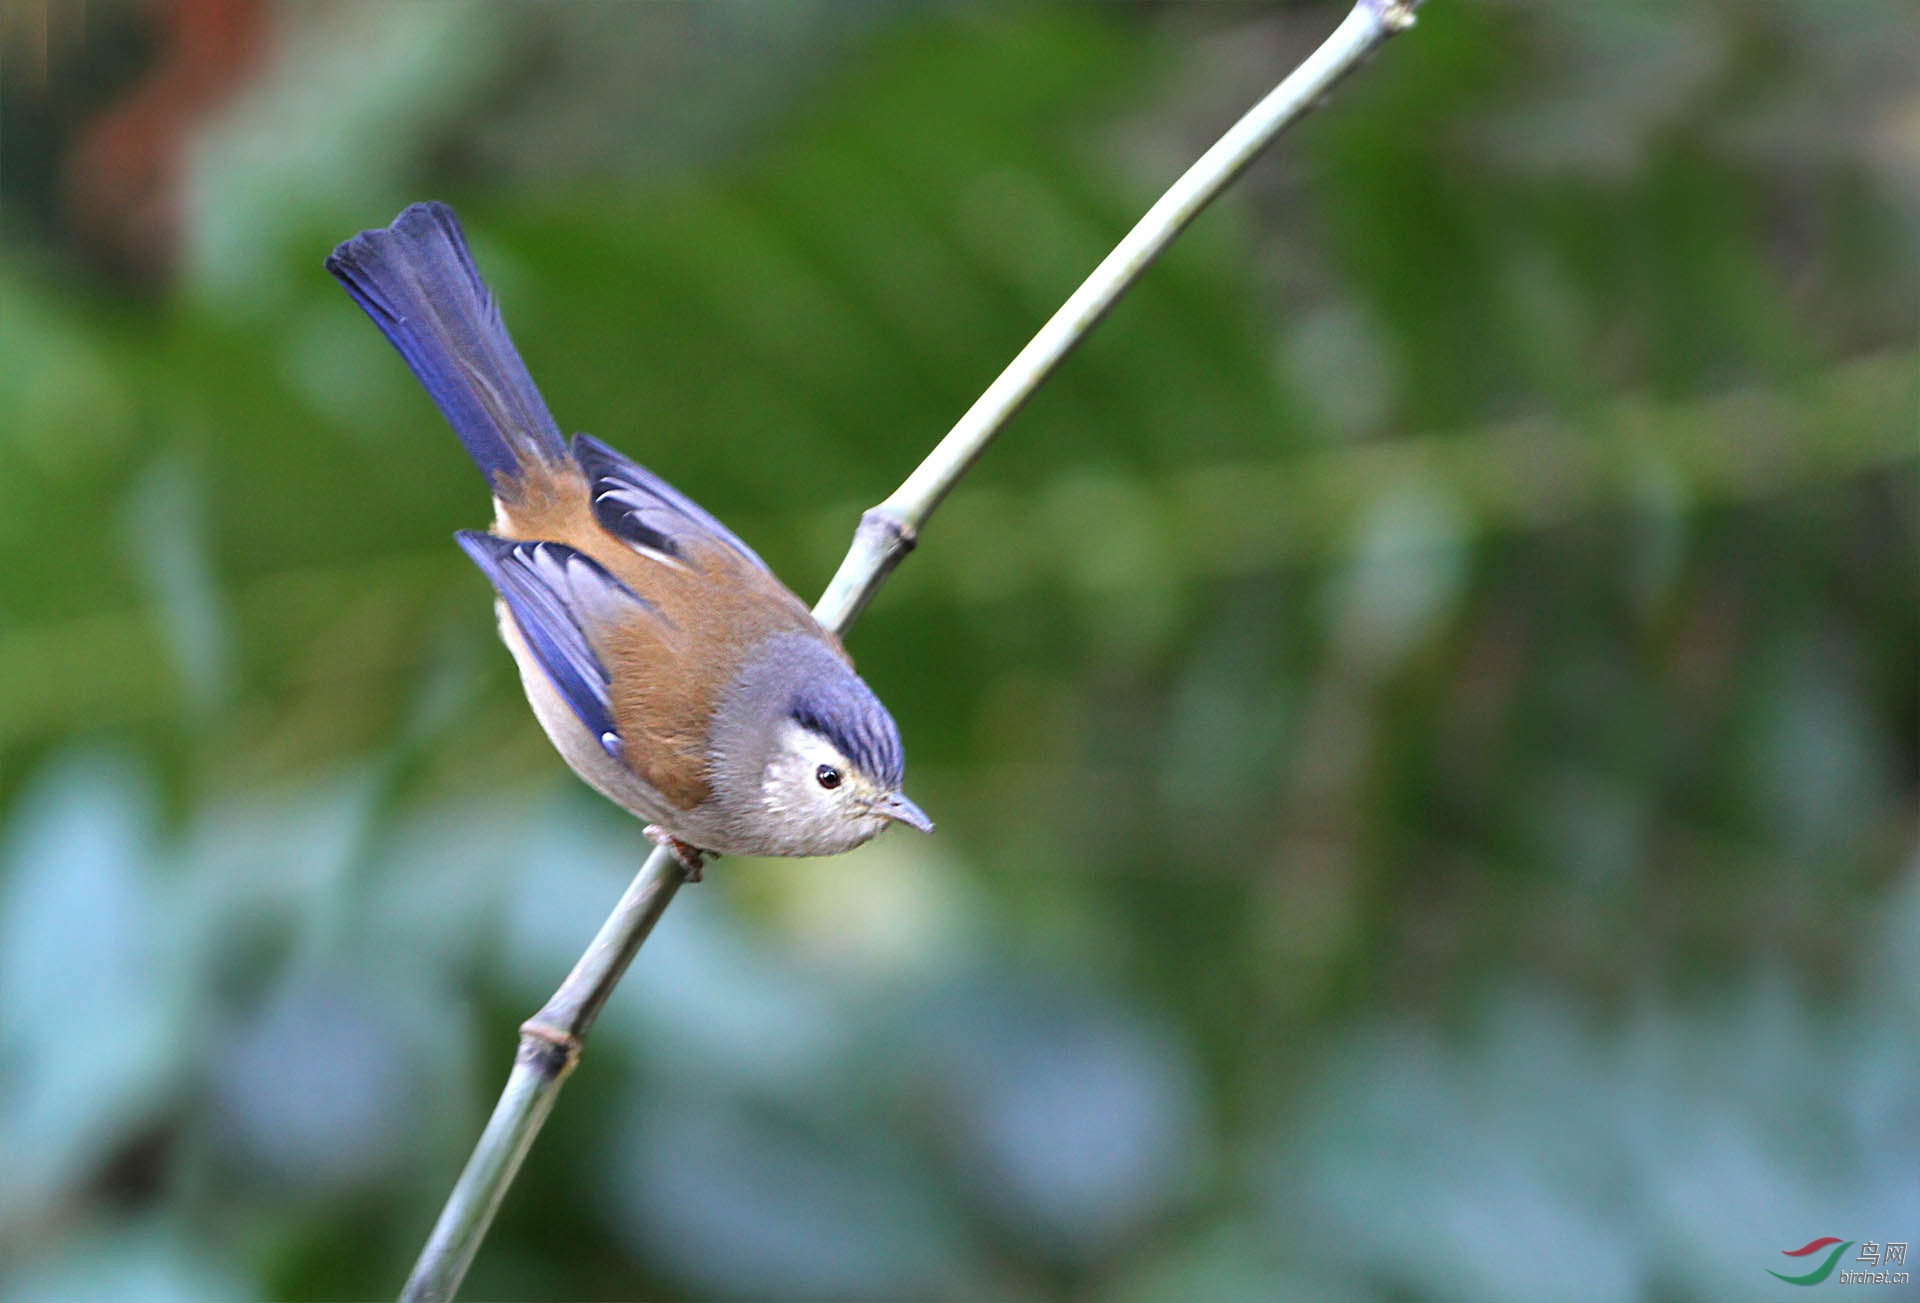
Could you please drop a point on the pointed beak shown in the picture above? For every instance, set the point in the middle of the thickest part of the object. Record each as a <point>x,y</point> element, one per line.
<point>898,808</point>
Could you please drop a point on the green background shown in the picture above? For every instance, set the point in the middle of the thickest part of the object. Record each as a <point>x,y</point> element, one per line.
<point>1421,711</point>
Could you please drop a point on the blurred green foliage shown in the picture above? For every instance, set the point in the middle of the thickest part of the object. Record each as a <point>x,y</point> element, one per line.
<point>1421,711</point>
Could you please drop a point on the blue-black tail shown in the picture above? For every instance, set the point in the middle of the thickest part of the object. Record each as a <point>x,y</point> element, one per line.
<point>418,283</point>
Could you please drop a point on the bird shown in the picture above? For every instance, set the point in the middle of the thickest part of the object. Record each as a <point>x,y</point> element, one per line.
<point>668,665</point>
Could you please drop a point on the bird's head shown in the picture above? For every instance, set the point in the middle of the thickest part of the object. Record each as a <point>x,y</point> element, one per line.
<point>829,763</point>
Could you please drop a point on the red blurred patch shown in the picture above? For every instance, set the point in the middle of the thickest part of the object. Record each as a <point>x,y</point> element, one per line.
<point>122,179</point>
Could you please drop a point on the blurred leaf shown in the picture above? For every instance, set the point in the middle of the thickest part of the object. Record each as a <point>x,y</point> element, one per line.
<point>733,1205</point>
<point>95,1028</point>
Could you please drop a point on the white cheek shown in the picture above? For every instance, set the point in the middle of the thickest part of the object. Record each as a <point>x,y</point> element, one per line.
<point>790,791</point>
<point>791,800</point>
<point>803,817</point>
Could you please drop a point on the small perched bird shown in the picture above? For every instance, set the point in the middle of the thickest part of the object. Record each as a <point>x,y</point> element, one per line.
<point>668,665</point>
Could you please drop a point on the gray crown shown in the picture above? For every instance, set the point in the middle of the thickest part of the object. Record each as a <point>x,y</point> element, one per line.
<point>844,711</point>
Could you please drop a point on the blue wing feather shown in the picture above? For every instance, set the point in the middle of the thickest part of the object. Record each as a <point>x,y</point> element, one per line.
<point>417,281</point>
<point>556,594</point>
<point>633,503</point>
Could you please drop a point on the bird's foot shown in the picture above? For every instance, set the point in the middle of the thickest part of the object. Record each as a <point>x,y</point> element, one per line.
<point>691,858</point>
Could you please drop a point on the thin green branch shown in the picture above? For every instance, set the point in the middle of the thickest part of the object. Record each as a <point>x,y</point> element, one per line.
<point>550,1044</point>
<point>888,532</point>
<point>550,1041</point>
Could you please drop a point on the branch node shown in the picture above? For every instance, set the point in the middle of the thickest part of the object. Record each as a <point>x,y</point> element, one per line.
<point>551,1051</point>
<point>900,537</point>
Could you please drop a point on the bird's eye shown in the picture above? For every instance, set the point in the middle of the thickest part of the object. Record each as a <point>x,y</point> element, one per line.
<point>827,776</point>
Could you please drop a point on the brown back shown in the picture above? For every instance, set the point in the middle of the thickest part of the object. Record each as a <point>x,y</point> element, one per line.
<point>668,667</point>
